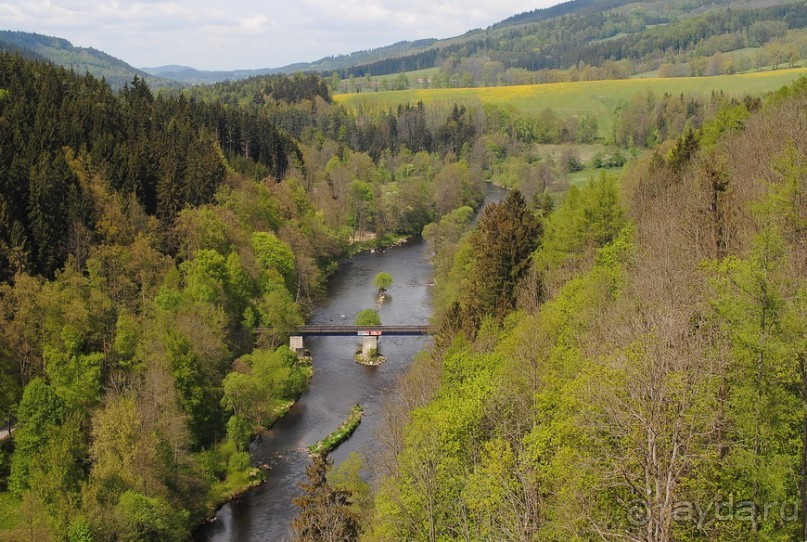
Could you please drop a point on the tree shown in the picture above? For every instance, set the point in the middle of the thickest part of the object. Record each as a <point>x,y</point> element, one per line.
<point>147,519</point>
<point>274,255</point>
<point>502,243</point>
<point>368,317</point>
<point>326,513</point>
<point>40,411</point>
<point>382,281</point>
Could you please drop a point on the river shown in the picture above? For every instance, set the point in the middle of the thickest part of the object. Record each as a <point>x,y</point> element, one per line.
<point>265,513</point>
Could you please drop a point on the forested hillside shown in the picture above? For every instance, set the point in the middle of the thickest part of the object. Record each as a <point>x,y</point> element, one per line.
<point>157,251</point>
<point>79,59</point>
<point>597,40</point>
<point>580,40</point>
<point>628,366</point>
<point>166,153</point>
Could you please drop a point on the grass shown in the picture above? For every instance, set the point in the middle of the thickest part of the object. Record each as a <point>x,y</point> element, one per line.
<point>411,76</point>
<point>329,443</point>
<point>595,97</point>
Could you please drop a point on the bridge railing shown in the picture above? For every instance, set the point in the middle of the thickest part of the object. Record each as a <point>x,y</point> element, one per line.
<point>322,330</point>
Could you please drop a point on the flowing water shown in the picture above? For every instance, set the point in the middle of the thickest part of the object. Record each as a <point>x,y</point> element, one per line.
<point>265,513</point>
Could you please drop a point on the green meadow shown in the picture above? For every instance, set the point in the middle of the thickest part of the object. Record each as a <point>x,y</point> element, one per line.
<point>597,97</point>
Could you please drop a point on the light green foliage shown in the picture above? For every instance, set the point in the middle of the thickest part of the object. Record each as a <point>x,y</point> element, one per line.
<point>347,476</point>
<point>525,174</point>
<point>368,317</point>
<point>728,119</point>
<point>149,519</point>
<point>256,397</point>
<point>588,219</point>
<point>116,440</point>
<point>80,531</point>
<point>277,312</point>
<point>239,429</point>
<point>274,254</point>
<point>10,513</point>
<point>382,281</point>
<point>759,307</point>
<point>440,438</point>
<point>252,203</point>
<point>167,298</point>
<point>76,377</point>
<point>203,228</point>
<point>40,411</point>
<point>491,454</point>
<point>205,276</point>
<point>444,234</point>
<point>58,472</point>
<point>494,486</point>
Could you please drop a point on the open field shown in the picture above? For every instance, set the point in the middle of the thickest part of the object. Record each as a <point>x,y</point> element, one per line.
<point>597,97</point>
<point>412,76</point>
<point>417,79</point>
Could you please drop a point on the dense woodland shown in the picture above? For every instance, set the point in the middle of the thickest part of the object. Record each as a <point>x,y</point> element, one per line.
<point>603,40</point>
<point>156,252</point>
<point>637,346</point>
<point>627,366</point>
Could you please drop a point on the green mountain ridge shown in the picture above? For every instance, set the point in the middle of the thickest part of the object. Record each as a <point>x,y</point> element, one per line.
<point>561,37</point>
<point>80,59</point>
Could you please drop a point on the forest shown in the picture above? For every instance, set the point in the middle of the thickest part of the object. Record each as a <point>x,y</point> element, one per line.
<point>603,40</point>
<point>156,251</point>
<point>627,366</point>
<point>609,355</point>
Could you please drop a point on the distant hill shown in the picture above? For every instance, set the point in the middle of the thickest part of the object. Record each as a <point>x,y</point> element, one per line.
<point>186,74</point>
<point>192,76</point>
<point>642,34</point>
<point>595,39</point>
<point>80,59</point>
<point>591,32</point>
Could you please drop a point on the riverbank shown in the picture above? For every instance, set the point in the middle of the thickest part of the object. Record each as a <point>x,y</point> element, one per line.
<point>371,245</point>
<point>242,474</point>
<point>266,512</point>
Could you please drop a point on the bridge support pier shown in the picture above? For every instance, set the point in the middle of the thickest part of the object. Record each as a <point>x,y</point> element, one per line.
<point>368,355</point>
<point>369,347</point>
<point>296,345</point>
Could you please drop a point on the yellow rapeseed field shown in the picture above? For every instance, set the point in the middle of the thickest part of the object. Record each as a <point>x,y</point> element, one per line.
<point>597,97</point>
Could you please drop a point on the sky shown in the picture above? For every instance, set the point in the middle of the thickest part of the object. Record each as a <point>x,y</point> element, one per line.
<point>249,34</point>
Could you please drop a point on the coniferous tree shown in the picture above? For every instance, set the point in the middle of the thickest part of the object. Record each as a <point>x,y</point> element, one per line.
<point>325,512</point>
<point>506,236</point>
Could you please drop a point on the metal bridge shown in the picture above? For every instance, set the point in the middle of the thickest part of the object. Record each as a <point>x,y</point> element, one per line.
<point>365,331</point>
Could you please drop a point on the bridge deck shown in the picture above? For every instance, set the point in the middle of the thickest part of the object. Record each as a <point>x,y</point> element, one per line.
<point>333,331</point>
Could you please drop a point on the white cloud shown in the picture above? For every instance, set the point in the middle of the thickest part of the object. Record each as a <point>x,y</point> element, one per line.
<point>211,34</point>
